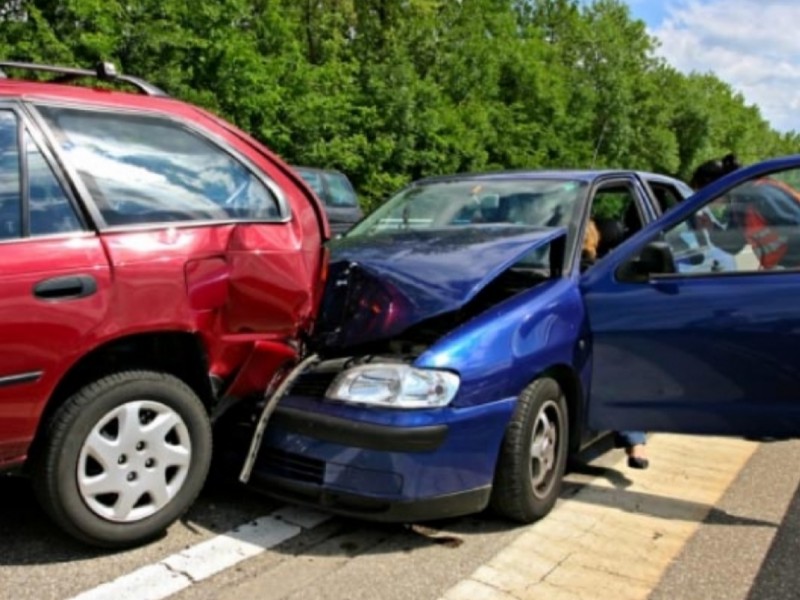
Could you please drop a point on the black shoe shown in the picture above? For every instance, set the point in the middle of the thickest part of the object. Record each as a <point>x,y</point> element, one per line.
<point>637,462</point>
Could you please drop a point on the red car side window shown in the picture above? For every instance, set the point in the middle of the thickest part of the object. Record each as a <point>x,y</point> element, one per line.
<point>50,209</point>
<point>10,188</point>
<point>146,169</point>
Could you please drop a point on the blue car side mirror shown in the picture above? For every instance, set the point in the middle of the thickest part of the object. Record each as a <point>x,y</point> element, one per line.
<point>654,259</point>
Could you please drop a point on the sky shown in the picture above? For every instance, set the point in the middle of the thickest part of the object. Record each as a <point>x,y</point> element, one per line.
<point>754,45</point>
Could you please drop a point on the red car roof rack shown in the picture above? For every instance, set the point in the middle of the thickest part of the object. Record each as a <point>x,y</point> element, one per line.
<point>105,71</point>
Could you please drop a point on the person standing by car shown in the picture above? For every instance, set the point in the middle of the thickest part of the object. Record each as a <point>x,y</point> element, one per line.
<point>632,441</point>
<point>711,170</point>
<point>762,214</point>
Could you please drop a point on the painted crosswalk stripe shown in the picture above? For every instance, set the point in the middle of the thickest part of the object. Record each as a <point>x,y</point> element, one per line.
<point>196,563</point>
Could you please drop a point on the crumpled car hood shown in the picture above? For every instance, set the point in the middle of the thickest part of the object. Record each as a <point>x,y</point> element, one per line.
<point>379,286</point>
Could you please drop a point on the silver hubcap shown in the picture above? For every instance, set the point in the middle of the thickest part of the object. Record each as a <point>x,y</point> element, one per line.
<point>134,461</point>
<point>544,447</point>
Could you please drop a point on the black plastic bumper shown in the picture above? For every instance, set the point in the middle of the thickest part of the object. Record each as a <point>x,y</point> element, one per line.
<point>357,434</point>
<point>372,509</point>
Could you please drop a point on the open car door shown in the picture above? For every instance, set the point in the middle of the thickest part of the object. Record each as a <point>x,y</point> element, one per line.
<point>686,343</point>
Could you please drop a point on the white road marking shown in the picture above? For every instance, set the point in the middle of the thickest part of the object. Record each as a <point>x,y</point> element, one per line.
<point>201,561</point>
<point>152,581</point>
<point>217,554</point>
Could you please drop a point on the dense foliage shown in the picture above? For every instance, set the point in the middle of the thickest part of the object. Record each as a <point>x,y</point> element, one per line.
<point>391,90</point>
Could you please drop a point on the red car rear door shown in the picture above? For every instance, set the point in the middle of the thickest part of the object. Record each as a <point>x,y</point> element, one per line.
<point>54,281</point>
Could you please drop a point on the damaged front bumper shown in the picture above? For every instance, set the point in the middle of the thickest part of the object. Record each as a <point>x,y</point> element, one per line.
<point>375,463</point>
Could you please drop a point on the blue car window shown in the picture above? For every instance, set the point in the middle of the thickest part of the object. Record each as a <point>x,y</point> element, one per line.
<point>468,202</point>
<point>474,202</point>
<point>10,184</point>
<point>753,227</point>
<point>145,169</point>
<point>668,195</point>
<point>616,214</point>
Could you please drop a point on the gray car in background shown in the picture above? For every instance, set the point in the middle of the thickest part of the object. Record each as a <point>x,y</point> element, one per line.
<point>338,195</point>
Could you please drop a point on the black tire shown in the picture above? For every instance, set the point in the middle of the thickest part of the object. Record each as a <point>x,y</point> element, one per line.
<point>515,495</point>
<point>65,465</point>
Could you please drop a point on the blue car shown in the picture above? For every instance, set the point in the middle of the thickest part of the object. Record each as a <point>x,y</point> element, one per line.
<point>466,349</point>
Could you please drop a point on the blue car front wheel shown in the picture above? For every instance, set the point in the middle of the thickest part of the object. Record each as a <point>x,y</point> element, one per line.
<point>533,456</point>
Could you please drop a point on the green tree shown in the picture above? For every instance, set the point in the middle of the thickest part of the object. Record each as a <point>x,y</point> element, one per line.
<point>393,90</point>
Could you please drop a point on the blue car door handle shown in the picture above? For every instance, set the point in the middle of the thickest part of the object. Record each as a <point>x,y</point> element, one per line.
<point>66,288</point>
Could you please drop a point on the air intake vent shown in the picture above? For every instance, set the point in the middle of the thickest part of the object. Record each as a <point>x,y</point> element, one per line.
<point>312,384</point>
<point>291,466</point>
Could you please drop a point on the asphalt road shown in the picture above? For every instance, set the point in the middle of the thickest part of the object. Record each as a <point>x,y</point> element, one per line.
<point>748,548</point>
<point>38,562</point>
<point>744,546</point>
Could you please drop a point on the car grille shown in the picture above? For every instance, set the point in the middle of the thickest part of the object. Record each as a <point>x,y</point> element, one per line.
<point>312,384</point>
<point>291,466</point>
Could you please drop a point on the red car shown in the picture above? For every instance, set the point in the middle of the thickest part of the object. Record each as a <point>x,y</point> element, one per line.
<point>157,265</point>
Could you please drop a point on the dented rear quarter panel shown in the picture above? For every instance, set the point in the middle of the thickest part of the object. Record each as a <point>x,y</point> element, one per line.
<point>231,284</point>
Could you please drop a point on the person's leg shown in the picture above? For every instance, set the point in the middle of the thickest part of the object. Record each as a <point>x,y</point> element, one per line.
<point>634,444</point>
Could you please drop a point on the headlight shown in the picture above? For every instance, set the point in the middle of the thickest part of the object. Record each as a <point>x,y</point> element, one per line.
<point>395,386</point>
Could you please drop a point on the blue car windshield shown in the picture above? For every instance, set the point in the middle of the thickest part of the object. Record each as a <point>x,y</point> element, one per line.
<point>481,203</point>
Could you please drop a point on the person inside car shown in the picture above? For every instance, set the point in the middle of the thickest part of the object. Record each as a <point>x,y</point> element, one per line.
<point>591,241</point>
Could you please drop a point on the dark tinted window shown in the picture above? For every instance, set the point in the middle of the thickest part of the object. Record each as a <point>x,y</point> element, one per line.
<point>144,169</point>
<point>10,188</point>
<point>314,181</point>
<point>333,188</point>
<point>50,210</point>
<point>616,215</point>
<point>668,195</point>
<point>340,192</point>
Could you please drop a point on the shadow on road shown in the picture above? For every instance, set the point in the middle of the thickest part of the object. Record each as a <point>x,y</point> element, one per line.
<point>29,537</point>
<point>779,576</point>
<point>662,507</point>
<point>614,477</point>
